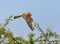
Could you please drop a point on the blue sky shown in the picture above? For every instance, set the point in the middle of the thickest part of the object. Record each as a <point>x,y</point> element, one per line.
<point>45,12</point>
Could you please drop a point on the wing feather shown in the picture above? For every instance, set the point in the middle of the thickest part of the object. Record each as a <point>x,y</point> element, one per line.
<point>17,16</point>
<point>31,24</point>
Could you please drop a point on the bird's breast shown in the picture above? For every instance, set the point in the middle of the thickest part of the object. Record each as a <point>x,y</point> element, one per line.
<point>28,19</point>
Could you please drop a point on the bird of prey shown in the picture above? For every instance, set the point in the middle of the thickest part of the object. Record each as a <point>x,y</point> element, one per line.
<point>28,18</point>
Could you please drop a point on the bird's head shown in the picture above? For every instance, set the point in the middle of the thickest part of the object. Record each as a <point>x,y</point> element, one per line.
<point>26,14</point>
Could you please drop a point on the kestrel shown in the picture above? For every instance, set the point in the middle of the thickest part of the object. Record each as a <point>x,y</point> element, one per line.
<point>28,18</point>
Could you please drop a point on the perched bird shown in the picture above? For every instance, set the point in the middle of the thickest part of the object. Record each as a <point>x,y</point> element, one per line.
<point>28,17</point>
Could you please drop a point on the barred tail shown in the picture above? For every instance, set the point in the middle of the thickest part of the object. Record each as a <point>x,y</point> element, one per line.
<point>17,16</point>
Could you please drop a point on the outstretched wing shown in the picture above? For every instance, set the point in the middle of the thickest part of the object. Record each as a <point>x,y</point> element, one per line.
<point>31,24</point>
<point>17,16</point>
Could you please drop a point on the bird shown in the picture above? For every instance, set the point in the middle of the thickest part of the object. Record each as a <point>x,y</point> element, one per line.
<point>28,18</point>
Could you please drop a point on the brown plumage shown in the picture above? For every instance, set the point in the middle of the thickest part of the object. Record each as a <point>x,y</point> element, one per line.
<point>28,17</point>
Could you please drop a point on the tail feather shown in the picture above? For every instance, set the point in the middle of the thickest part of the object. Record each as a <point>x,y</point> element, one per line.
<point>17,16</point>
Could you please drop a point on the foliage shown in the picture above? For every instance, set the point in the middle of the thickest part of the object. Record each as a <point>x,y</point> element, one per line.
<point>7,37</point>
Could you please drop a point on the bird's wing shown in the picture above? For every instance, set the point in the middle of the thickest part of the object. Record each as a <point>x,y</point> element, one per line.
<point>17,16</point>
<point>31,24</point>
